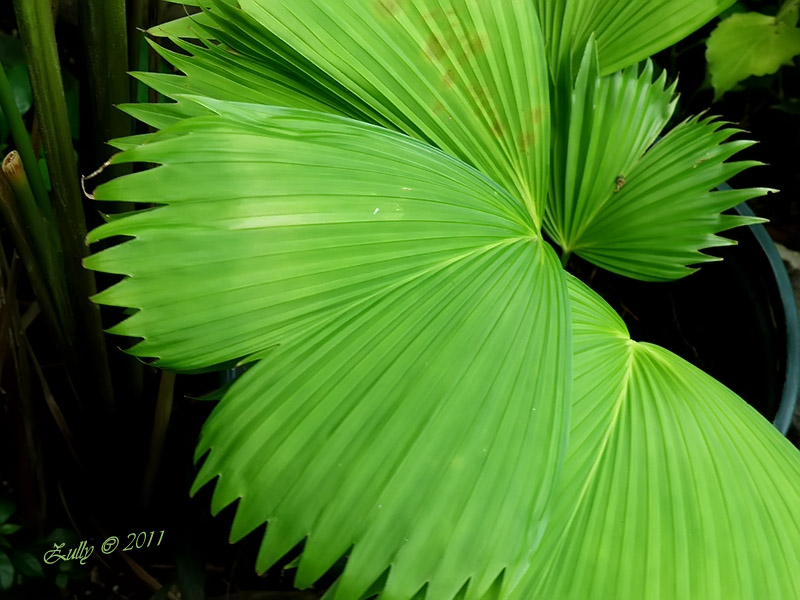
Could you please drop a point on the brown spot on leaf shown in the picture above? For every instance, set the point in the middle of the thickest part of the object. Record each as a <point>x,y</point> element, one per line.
<point>448,38</point>
<point>527,141</point>
<point>498,129</point>
<point>389,8</point>
<point>448,80</point>
<point>439,15</point>
<point>476,44</point>
<point>434,49</point>
<point>481,95</point>
<point>536,115</point>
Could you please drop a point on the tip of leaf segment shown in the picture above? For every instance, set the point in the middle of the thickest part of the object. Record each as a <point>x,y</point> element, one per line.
<point>762,191</point>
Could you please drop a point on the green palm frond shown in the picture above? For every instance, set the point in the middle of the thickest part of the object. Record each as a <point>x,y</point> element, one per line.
<point>436,71</point>
<point>673,486</point>
<point>626,31</point>
<point>234,58</point>
<point>411,328</point>
<point>655,227</point>
<point>349,200</point>
<point>461,74</point>
<point>628,205</point>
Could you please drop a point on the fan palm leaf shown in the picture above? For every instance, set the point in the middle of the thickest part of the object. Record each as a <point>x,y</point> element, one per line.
<point>412,384</point>
<point>356,216</point>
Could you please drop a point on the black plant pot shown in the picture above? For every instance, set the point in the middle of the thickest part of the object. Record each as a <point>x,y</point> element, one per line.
<point>736,319</point>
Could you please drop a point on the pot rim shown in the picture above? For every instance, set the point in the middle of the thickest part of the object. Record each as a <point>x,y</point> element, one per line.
<point>791,318</point>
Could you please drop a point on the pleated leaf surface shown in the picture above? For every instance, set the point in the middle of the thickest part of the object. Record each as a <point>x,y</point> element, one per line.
<point>409,334</point>
<point>465,75</point>
<point>233,57</point>
<point>608,124</point>
<point>638,208</point>
<point>673,486</point>
<point>627,31</point>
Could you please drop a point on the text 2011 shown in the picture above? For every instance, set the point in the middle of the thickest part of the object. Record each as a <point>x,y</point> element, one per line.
<point>141,540</point>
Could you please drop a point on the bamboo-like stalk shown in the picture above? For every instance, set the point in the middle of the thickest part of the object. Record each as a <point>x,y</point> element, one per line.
<point>17,176</point>
<point>138,19</point>
<point>104,30</point>
<point>21,412</point>
<point>42,239</point>
<point>37,33</point>
<point>11,215</point>
<point>161,419</point>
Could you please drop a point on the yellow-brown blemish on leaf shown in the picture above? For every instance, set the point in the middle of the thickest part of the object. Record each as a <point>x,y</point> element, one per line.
<point>536,115</point>
<point>497,127</point>
<point>389,8</point>
<point>448,80</point>
<point>438,108</point>
<point>480,94</point>
<point>434,49</point>
<point>449,39</point>
<point>439,15</point>
<point>476,44</point>
<point>526,141</point>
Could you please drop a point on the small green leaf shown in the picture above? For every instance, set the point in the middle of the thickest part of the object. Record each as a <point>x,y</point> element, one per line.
<point>20,87</point>
<point>9,528</point>
<point>7,508</point>
<point>749,44</point>
<point>789,12</point>
<point>27,564</point>
<point>6,571</point>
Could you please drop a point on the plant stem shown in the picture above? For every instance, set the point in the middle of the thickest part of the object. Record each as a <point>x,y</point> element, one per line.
<point>166,391</point>
<point>37,33</point>
<point>138,19</point>
<point>8,206</point>
<point>42,236</point>
<point>565,258</point>
<point>22,415</point>
<point>104,29</point>
<point>141,14</point>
